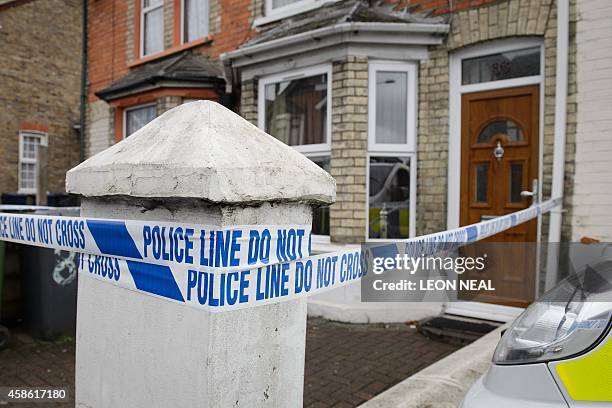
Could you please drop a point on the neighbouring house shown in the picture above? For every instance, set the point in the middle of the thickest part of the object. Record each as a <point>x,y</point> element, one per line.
<point>40,71</point>
<point>431,115</point>
<point>592,179</point>
<point>148,56</point>
<point>40,44</point>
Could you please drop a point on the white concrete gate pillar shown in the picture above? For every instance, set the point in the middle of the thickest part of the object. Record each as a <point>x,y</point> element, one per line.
<point>198,163</point>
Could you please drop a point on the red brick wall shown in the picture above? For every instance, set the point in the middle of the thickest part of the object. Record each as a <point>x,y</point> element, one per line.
<point>107,43</point>
<point>109,25</point>
<point>236,19</point>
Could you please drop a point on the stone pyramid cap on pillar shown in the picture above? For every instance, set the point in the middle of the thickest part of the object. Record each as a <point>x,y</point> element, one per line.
<point>202,150</point>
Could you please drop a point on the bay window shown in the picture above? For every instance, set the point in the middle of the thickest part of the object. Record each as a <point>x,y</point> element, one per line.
<point>294,108</point>
<point>391,150</point>
<point>138,116</point>
<point>152,27</point>
<point>320,216</point>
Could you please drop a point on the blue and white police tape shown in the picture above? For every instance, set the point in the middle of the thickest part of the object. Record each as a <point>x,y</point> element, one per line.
<point>254,274</point>
<point>162,243</point>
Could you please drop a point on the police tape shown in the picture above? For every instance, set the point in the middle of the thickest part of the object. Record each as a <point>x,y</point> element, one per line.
<point>162,243</point>
<point>226,269</point>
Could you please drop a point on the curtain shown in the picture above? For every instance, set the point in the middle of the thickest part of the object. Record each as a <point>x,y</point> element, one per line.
<point>153,31</point>
<point>195,19</point>
<point>137,118</point>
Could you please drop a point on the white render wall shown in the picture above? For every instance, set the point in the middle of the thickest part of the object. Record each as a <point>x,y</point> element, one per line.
<point>592,200</point>
<point>198,163</point>
<point>135,350</point>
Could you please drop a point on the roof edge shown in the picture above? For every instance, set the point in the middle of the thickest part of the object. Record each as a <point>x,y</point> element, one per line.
<point>149,85</point>
<point>404,28</point>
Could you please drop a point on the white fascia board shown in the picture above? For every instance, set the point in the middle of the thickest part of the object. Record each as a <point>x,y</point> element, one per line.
<point>381,33</point>
<point>335,53</point>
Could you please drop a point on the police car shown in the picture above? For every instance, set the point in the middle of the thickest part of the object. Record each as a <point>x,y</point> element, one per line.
<point>558,352</point>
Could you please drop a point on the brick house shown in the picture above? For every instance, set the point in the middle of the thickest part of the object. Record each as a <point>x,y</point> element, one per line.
<point>40,44</point>
<point>429,115</point>
<point>148,56</point>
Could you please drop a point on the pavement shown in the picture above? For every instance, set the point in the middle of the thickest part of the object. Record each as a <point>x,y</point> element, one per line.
<point>444,383</point>
<point>346,364</point>
<point>27,362</point>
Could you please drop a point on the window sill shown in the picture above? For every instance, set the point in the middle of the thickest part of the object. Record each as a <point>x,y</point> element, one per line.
<point>289,11</point>
<point>176,49</point>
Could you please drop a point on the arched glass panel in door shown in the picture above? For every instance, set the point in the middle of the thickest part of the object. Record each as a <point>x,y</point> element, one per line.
<point>506,127</point>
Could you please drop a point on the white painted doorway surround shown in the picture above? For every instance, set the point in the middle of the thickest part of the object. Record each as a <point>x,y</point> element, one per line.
<point>456,90</point>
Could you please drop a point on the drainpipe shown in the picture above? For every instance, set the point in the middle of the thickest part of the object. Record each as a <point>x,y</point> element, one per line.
<point>83,83</point>
<point>554,231</point>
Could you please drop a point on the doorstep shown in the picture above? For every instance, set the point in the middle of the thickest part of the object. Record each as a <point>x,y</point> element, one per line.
<point>459,329</point>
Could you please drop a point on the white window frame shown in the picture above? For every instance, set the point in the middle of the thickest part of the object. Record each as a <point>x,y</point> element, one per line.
<point>412,206</point>
<point>320,239</point>
<point>312,150</point>
<point>183,22</point>
<point>144,10</point>
<point>319,149</point>
<point>131,108</point>
<point>272,14</point>
<point>403,150</point>
<point>411,94</point>
<point>43,141</point>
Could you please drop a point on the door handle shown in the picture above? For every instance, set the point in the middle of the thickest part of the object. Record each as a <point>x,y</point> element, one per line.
<point>533,193</point>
